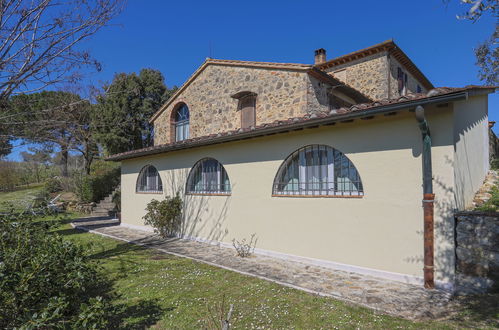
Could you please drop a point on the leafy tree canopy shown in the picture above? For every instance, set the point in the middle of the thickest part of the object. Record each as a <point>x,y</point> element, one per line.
<point>125,108</point>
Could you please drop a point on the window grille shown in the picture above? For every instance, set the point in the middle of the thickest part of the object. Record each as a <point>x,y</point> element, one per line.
<point>317,170</point>
<point>208,176</point>
<point>149,180</point>
<point>182,123</point>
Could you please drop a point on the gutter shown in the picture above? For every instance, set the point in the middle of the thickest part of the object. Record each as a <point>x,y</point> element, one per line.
<point>428,200</point>
<point>309,123</point>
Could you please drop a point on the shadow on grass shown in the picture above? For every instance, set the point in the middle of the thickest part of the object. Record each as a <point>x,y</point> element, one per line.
<point>138,316</point>
<point>479,309</point>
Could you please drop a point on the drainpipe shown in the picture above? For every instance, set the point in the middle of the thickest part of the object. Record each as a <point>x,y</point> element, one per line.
<point>428,199</point>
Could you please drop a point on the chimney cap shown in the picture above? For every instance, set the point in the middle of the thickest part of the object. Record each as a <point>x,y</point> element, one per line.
<point>320,51</point>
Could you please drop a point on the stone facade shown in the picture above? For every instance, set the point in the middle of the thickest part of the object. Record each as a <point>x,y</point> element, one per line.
<point>281,94</point>
<point>412,83</point>
<point>477,252</point>
<point>367,75</point>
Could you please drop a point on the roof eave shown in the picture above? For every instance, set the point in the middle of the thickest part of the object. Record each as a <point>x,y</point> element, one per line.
<point>452,97</point>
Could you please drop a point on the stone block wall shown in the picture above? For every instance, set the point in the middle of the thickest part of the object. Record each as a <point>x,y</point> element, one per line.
<point>281,94</point>
<point>412,83</point>
<point>368,75</point>
<point>477,252</point>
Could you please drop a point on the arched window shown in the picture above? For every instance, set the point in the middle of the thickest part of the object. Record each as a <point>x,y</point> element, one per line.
<point>317,170</point>
<point>149,180</point>
<point>180,123</point>
<point>208,177</point>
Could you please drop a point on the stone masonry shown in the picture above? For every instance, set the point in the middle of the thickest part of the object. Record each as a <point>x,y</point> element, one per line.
<point>369,75</point>
<point>477,251</point>
<point>281,94</point>
<point>477,244</point>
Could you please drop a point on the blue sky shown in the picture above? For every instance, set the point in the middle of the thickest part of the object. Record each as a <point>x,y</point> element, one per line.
<point>176,36</point>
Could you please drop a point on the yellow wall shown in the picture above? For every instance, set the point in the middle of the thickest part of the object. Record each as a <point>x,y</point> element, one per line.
<point>382,231</point>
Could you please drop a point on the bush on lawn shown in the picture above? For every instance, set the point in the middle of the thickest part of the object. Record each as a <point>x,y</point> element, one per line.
<point>165,216</point>
<point>53,185</point>
<point>46,281</point>
<point>94,187</point>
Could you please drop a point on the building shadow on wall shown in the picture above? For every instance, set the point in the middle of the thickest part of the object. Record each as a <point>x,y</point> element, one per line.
<point>444,231</point>
<point>203,217</point>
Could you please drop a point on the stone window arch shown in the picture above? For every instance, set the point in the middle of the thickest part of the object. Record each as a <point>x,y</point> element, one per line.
<point>180,123</point>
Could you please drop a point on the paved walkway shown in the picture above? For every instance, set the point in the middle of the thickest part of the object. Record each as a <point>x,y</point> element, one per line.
<point>405,300</point>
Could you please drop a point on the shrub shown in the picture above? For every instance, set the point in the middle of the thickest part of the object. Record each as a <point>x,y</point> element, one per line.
<point>93,188</point>
<point>245,249</point>
<point>164,216</point>
<point>117,200</point>
<point>494,164</point>
<point>53,185</point>
<point>46,281</point>
<point>492,205</point>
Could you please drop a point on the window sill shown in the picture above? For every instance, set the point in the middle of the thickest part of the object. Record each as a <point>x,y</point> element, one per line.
<point>208,194</point>
<point>149,192</point>
<point>319,196</point>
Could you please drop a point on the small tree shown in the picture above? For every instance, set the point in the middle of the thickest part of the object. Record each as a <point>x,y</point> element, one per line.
<point>164,216</point>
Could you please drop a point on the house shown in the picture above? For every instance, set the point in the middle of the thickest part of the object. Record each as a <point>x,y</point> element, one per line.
<point>330,164</point>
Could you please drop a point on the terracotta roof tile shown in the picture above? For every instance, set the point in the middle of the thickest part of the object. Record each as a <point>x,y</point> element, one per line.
<point>365,107</point>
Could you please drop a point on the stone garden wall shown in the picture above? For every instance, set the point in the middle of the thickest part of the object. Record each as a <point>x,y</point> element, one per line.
<point>477,252</point>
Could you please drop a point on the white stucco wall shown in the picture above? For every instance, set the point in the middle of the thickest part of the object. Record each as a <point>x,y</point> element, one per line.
<point>381,231</point>
<point>471,156</point>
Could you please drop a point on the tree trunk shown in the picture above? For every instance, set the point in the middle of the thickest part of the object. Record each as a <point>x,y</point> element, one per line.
<point>64,161</point>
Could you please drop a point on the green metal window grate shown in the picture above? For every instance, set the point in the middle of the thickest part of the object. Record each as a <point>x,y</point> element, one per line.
<point>318,170</point>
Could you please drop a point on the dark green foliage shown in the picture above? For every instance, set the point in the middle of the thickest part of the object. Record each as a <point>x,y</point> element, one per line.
<point>117,200</point>
<point>94,187</point>
<point>487,59</point>
<point>46,281</point>
<point>53,185</point>
<point>494,164</point>
<point>55,118</point>
<point>5,145</point>
<point>487,52</point>
<point>126,107</point>
<point>165,216</point>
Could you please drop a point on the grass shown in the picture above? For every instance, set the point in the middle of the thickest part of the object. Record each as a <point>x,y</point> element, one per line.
<point>19,199</point>
<point>168,292</point>
<point>492,205</point>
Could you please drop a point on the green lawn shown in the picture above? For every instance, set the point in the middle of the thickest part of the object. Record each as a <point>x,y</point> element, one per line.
<point>164,291</point>
<point>19,199</point>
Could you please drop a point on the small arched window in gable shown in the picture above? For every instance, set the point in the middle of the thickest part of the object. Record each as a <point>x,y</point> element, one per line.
<point>208,177</point>
<point>317,170</point>
<point>149,180</point>
<point>180,123</point>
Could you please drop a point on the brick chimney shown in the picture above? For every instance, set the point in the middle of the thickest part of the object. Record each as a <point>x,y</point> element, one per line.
<point>320,56</point>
